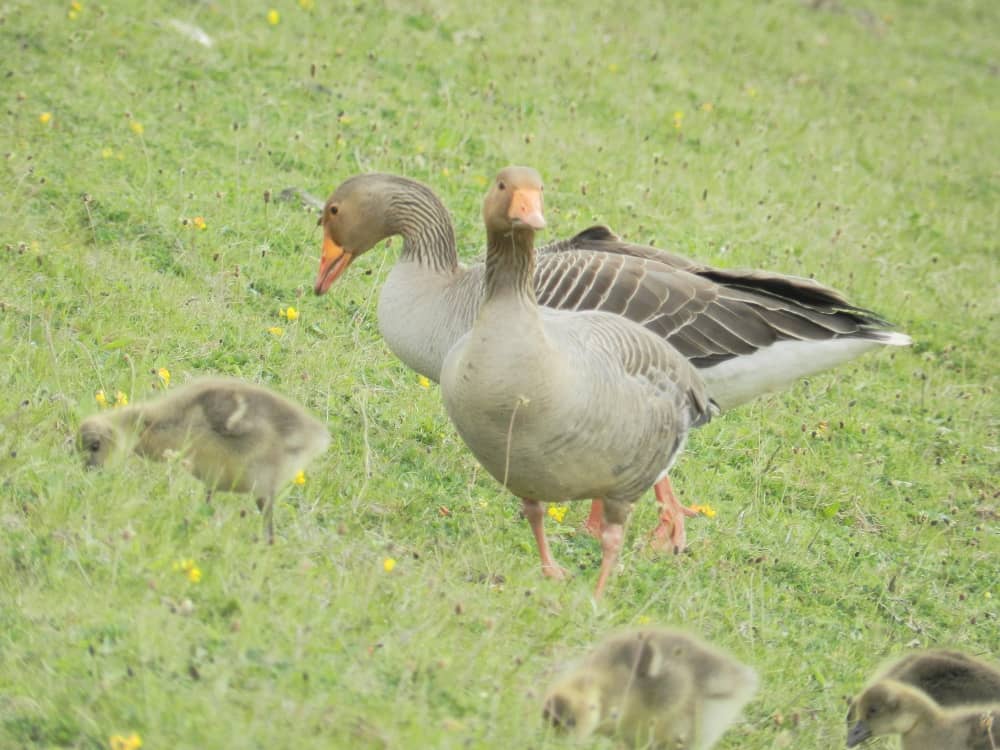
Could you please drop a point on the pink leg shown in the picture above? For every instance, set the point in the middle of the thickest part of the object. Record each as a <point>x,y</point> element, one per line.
<point>535,515</point>
<point>611,544</point>
<point>594,524</point>
<point>669,533</point>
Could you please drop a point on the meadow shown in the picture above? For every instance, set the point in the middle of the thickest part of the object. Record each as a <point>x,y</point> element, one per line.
<point>146,231</point>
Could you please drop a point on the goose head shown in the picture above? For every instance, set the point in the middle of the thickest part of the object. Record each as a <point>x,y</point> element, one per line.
<point>514,201</point>
<point>887,707</point>
<point>97,441</point>
<point>573,706</point>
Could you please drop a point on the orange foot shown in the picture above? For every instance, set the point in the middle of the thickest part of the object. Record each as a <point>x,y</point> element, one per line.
<point>669,534</point>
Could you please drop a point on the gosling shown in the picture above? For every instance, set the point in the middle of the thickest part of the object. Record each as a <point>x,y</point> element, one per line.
<point>949,678</point>
<point>651,687</point>
<point>893,707</point>
<point>232,435</point>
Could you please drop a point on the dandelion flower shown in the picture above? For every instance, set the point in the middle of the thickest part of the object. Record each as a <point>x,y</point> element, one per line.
<point>45,118</point>
<point>121,399</point>
<point>273,17</point>
<point>706,510</point>
<point>190,570</point>
<point>198,222</point>
<point>642,620</point>
<point>136,127</point>
<point>388,564</point>
<point>613,68</point>
<point>164,375</point>
<point>307,4</point>
<point>121,742</point>
<point>678,120</point>
<point>300,478</point>
<point>423,381</point>
<point>101,398</point>
<point>707,107</point>
<point>276,331</point>
<point>289,314</point>
<point>107,153</point>
<point>558,512</point>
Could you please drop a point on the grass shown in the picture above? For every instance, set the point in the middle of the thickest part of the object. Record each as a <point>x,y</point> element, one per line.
<point>857,513</point>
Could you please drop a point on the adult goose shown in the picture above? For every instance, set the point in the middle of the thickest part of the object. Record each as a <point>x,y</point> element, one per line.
<point>747,332</point>
<point>561,405</point>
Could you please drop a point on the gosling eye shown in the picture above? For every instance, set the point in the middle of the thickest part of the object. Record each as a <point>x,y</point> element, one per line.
<point>501,185</point>
<point>334,210</point>
<point>94,446</point>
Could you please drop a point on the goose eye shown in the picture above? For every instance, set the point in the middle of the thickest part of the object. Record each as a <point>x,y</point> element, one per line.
<point>94,447</point>
<point>333,210</point>
<point>501,186</point>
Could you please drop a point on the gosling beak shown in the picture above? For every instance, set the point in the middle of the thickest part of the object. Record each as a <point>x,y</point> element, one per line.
<point>858,734</point>
<point>334,262</point>
<point>526,207</point>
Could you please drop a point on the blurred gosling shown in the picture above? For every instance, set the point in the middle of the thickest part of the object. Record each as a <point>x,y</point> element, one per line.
<point>232,435</point>
<point>651,687</point>
<point>892,707</point>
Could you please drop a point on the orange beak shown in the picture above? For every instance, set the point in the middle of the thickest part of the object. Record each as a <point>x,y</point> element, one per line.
<point>334,262</point>
<point>526,207</point>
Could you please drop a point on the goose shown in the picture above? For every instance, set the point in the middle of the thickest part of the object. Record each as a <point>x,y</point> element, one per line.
<point>653,688</point>
<point>561,405</point>
<point>747,332</point>
<point>893,707</point>
<point>233,436</point>
<point>949,678</point>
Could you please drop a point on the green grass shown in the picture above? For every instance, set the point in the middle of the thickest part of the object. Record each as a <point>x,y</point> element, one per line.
<point>856,142</point>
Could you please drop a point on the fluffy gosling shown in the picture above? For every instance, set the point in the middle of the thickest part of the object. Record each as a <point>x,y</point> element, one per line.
<point>949,678</point>
<point>232,435</point>
<point>893,707</point>
<point>651,687</point>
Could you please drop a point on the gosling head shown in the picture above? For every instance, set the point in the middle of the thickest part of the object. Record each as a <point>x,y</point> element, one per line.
<point>573,705</point>
<point>98,441</point>
<point>887,707</point>
<point>514,201</point>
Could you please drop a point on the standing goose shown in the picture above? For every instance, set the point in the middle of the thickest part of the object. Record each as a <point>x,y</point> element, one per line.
<point>747,332</point>
<point>559,405</point>
<point>233,436</point>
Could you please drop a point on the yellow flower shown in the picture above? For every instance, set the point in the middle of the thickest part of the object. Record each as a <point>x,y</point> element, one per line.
<point>424,382</point>
<point>120,742</point>
<point>706,510</point>
<point>480,180</point>
<point>45,117</point>
<point>107,153</point>
<point>751,91</point>
<point>121,399</point>
<point>101,398</point>
<point>307,4</point>
<point>388,564</point>
<point>707,107</point>
<point>276,331</point>
<point>291,313</point>
<point>273,17</point>
<point>344,119</point>
<point>190,570</point>
<point>300,478</point>
<point>136,127</point>
<point>678,120</point>
<point>198,222</point>
<point>558,512</point>
<point>642,620</point>
<point>164,374</point>
<point>445,172</point>
<point>613,67</point>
